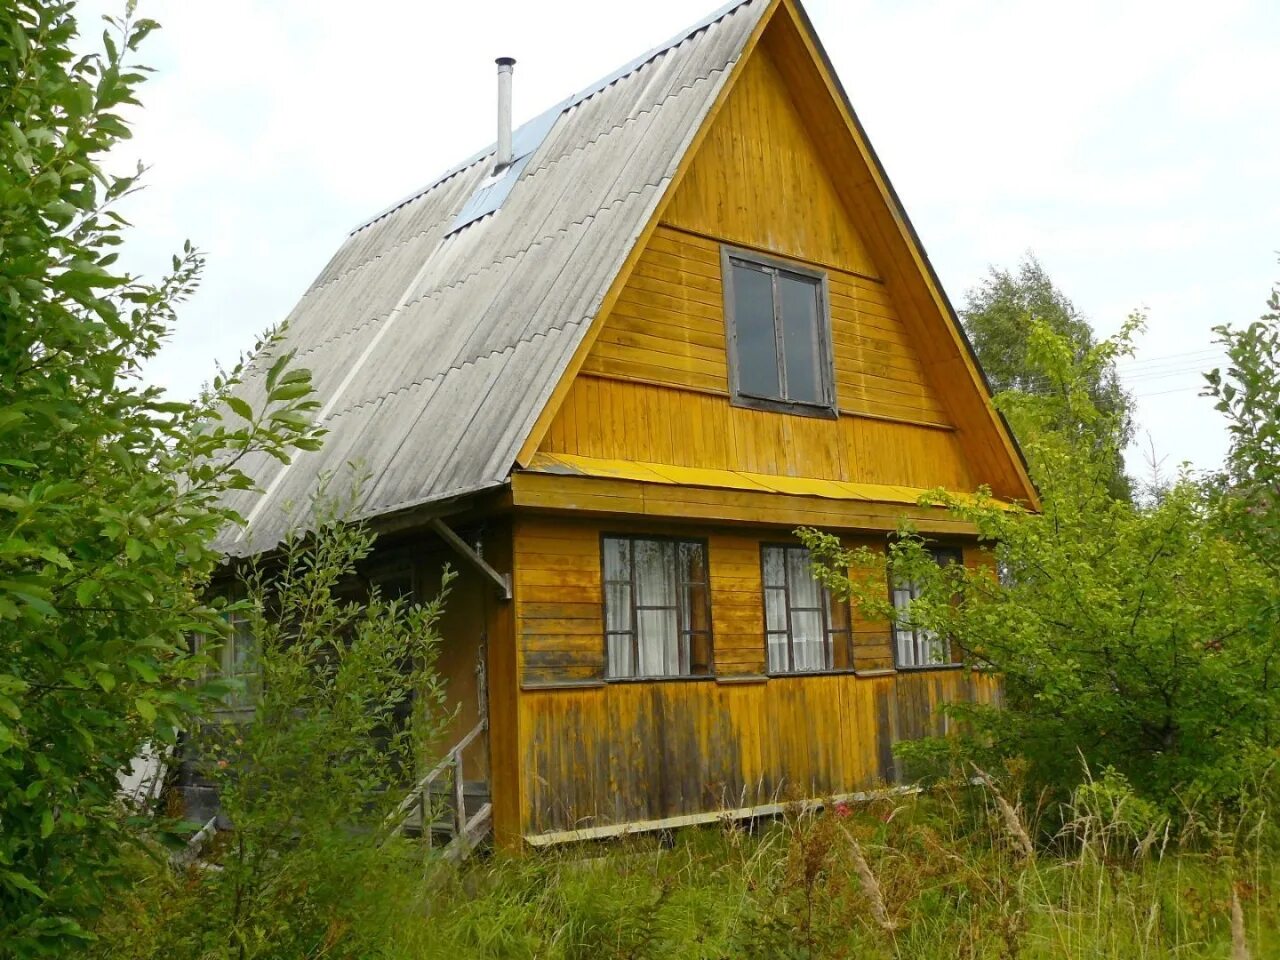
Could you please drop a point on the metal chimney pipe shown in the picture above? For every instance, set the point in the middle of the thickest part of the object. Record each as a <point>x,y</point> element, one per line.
<point>503,155</point>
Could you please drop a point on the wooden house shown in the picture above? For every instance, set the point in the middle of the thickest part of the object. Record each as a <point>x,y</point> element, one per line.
<point>605,368</point>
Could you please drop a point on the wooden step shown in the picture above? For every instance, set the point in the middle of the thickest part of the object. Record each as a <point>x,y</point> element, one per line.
<point>473,832</point>
<point>441,799</point>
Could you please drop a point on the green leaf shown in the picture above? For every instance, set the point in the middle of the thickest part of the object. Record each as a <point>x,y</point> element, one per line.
<point>39,604</point>
<point>10,418</point>
<point>143,670</point>
<point>107,681</point>
<point>146,709</point>
<point>240,407</point>
<point>277,368</point>
<point>289,391</point>
<point>20,882</point>
<point>46,824</point>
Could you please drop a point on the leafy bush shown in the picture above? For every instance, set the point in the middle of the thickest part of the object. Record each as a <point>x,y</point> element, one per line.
<point>109,494</point>
<point>343,699</point>
<point>1139,637</point>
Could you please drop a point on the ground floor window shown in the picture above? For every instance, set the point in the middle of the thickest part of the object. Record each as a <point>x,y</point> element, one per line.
<point>657,607</point>
<point>916,646</point>
<point>233,658</point>
<point>806,629</point>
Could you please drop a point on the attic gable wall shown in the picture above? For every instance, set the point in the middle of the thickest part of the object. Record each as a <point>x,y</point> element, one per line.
<point>655,385</point>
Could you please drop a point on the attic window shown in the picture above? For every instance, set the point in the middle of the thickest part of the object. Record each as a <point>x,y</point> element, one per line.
<point>779,334</point>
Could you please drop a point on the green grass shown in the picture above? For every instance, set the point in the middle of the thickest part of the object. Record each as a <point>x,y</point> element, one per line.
<point>938,876</point>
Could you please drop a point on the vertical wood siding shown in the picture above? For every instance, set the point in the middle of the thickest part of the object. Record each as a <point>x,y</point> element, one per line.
<point>619,752</point>
<point>628,752</point>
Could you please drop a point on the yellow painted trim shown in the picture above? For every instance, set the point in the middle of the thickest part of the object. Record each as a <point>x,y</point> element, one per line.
<point>566,464</point>
<point>640,499</point>
<point>553,404</point>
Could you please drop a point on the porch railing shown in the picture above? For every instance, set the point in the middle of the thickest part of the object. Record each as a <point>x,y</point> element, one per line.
<point>464,829</point>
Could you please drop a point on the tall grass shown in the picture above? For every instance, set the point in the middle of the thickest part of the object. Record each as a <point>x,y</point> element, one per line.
<point>945,875</point>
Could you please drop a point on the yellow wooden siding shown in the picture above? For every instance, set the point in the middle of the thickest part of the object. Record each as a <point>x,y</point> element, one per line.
<point>633,498</point>
<point>759,179</point>
<point>629,420</point>
<point>558,598</point>
<point>655,385</point>
<point>920,301</point>
<point>668,327</point>
<point>595,753</point>
<point>630,752</point>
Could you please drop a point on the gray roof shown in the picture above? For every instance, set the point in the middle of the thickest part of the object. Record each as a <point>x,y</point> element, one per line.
<point>434,340</point>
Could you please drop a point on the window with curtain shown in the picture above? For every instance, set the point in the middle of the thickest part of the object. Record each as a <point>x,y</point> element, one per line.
<point>233,658</point>
<point>780,340</point>
<point>806,629</point>
<point>916,646</point>
<point>657,607</point>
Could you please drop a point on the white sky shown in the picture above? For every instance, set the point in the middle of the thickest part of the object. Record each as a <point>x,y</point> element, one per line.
<point>1131,145</point>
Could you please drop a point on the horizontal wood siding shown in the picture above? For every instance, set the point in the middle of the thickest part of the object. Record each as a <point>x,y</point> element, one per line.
<point>615,419</point>
<point>668,328</point>
<point>615,752</point>
<point>655,386</point>
<point>593,495</point>
<point>558,599</point>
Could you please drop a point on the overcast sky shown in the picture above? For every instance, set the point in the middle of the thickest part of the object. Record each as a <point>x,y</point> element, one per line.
<point>1133,146</point>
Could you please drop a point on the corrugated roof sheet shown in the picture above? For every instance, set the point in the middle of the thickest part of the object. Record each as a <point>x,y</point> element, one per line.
<point>433,352</point>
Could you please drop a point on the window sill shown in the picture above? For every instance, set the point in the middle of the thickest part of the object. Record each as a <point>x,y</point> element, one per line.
<point>681,678</point>
<point>742,679</point>
<point>565,685</point>
<point>801,674</point>
<point>854,672</point>
<point>786,406</point>
<point>925,668</point>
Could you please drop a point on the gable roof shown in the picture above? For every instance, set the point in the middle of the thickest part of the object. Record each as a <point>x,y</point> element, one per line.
<point>442,332</point>
<point>433,350</point>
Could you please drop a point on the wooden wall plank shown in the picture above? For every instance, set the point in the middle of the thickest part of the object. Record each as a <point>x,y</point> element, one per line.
<point>615,752</point>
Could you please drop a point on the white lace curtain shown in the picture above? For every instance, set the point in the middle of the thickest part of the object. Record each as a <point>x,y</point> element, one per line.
<point>791,589</point>
<point>651,570</point>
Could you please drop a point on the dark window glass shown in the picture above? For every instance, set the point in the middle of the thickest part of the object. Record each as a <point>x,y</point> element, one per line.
<point>779,333</point>
<point>657,611</point>
<point>800,332</point>
<point>806,629</point>
<point>756,337</point>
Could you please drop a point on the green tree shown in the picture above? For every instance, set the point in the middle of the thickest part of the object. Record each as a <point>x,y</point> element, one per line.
<point>1247,393</point>
<point>999,315</point>
<point>1139,637</point>
<point>109,494</point>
